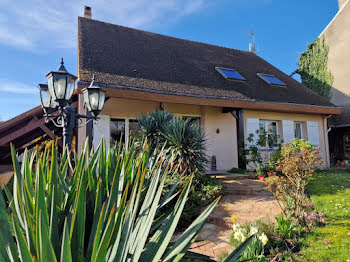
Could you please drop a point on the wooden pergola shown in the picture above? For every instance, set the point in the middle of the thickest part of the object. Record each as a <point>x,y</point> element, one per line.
<point>26,131</point>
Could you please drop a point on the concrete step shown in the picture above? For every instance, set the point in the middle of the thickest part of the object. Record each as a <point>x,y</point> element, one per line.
<point>247,192</point>
<point>231,176</point>
<point>244,187</point>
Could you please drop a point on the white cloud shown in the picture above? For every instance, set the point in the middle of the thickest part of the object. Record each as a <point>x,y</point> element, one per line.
<point>38,24</point>
<point>14,87</point>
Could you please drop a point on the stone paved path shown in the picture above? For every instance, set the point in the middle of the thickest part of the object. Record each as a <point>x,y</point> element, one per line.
<point>244,198</point>
<point>5,178</point>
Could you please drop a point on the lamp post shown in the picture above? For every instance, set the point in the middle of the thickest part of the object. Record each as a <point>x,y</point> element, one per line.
<point>56,95</point>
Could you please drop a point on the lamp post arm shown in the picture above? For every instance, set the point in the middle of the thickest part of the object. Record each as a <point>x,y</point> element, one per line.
<point>69,116</point>
<point>86,116</point>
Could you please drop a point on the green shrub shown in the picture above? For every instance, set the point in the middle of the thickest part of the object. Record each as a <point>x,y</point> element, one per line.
<point>238,171</point>
<point>101,206</point>
<point>298,162</point>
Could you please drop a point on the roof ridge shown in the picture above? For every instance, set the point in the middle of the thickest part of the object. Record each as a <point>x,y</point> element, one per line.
<point>167,36</point>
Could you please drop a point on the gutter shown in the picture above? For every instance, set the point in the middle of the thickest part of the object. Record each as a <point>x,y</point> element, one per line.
<point>167,92</point>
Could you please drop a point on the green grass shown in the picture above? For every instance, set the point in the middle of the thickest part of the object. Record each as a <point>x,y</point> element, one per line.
<point>331,195</point>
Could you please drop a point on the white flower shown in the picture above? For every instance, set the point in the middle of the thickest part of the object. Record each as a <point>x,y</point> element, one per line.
<point>243,230</point>
<point>253,230</point>
<point>235,227</point>
<point>237,235</point>
<point>263,238</point>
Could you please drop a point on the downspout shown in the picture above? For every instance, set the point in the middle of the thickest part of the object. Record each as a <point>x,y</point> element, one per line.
<point>240,135</point>
<point>327,130</point>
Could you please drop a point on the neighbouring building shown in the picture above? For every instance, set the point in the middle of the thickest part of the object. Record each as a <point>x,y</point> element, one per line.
<point>337,38</point>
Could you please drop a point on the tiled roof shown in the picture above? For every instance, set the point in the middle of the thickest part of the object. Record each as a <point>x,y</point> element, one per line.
<point>128,57</point>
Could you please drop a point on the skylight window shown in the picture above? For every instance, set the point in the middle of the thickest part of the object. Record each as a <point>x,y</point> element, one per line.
<point>271,79</point>
<point>230,74</point>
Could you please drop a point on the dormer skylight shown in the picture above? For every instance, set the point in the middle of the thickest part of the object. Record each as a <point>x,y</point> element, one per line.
<point>230,74</point>
<point>271,79</point>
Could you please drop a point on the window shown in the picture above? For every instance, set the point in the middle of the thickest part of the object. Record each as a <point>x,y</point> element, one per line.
<point>230,74</point>
<point>270,79</point>
<point>196,120</point>
<point>134,128</point>
<point>123,128</point>
<point>298,130</point>
<point>271,129</point>
<point>117,130</point>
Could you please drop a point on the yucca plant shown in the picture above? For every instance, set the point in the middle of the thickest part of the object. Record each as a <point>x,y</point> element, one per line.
<point>152,126</point>
<point>186,142</point>
<point>103,206</point>
<point>183,140</point>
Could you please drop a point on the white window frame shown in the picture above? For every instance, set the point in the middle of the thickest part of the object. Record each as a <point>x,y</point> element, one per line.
<point>267,121</point>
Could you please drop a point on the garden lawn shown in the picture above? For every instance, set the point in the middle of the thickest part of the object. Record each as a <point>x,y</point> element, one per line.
<point>331,195</point>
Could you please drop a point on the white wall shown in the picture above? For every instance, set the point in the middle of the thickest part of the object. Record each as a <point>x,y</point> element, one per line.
<point>101,129</point>
<point>316,130</point>
<point>223,144</point>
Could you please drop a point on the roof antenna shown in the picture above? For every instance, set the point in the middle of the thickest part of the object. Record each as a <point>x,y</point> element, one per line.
<point>252,43</point>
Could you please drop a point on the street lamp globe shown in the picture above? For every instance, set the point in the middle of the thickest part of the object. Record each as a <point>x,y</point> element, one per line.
<point>61,85</point>
<point>94,97</point>
<point>46,100</point>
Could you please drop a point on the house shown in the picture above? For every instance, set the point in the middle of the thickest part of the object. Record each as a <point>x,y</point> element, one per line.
<point>337,37</point>
<point>230,93</point>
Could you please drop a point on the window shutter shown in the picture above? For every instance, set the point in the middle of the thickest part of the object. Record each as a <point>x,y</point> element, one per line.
<point>101,129</point>
<point>288,130</point>
<point>252,125</point>
<point>312,133</point>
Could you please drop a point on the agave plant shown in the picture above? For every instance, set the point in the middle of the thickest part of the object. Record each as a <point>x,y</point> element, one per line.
<point>183,140</point>
<point>103,206</point>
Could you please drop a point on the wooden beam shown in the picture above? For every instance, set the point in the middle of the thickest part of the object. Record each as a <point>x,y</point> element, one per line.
<point>4,168</point>
<point>32,125</point>
<point>51,135</point>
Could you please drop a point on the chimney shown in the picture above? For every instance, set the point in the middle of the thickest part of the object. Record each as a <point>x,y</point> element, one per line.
<point>87,12</point>
<point>341,3</point>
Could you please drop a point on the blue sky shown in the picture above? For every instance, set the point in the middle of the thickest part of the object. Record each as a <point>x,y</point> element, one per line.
<point>34,34</point>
